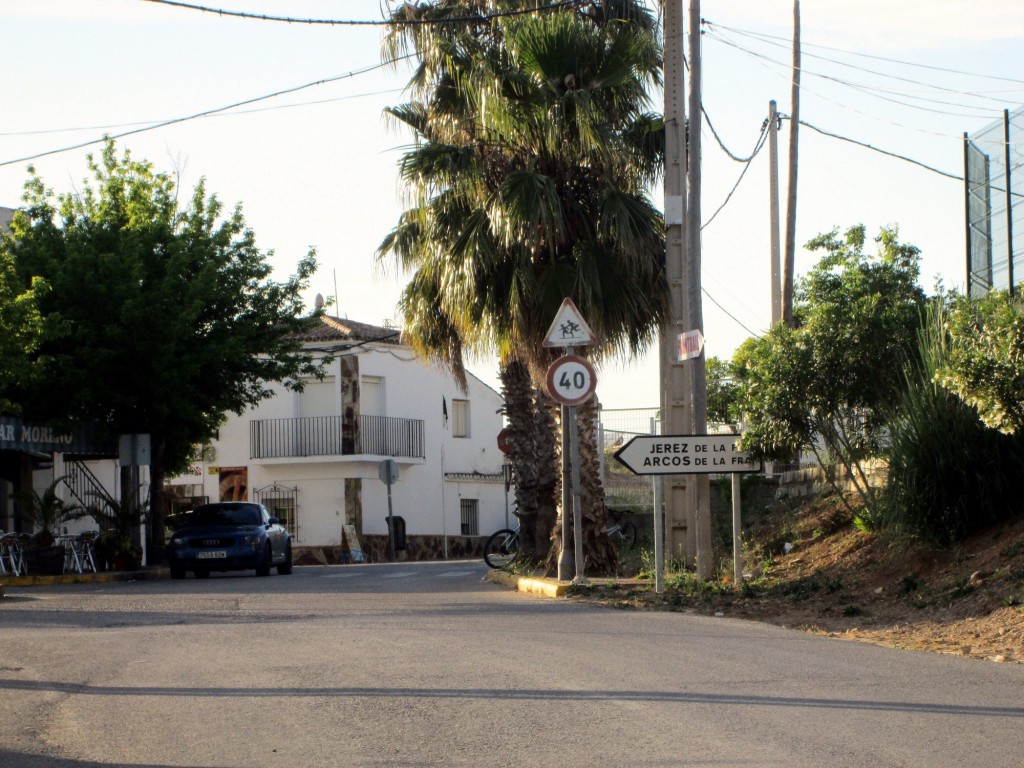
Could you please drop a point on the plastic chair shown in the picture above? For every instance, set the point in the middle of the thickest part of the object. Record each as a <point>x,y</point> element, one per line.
<point>83,545</point>
<point>12,559</point>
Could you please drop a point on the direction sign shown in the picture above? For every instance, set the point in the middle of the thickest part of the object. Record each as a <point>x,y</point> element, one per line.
<point>571,380</point>
<point>568,329</point>
<point>684,455</point>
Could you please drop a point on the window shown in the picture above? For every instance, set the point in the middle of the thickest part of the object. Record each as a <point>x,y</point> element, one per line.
<point>282,503</point>
<point>284,510</point>
<point>371,396</point>
<point>460,418</point>
<point>470,517</point>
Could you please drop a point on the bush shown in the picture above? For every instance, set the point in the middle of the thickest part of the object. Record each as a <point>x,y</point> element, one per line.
<point>949,474</point>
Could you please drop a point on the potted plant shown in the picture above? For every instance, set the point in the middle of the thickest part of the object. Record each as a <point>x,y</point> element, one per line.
<point>119,521</point>
<point>46,512</point>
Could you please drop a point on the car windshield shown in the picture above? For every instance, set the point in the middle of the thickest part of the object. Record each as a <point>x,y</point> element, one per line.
<point>226,514</point>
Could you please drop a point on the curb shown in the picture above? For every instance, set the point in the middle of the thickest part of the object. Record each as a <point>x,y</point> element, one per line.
<point>537,585</point>
<point>147,574</point>
<point>530,585</point>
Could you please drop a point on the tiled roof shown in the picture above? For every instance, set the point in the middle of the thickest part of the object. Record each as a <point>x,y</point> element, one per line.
<point>336,329</point>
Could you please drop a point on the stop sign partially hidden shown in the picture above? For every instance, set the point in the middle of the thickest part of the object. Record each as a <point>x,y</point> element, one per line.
<point>571,380</point>
<point>503,436</point>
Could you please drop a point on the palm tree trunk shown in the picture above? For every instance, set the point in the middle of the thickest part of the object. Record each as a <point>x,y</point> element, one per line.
<point>532,452</point>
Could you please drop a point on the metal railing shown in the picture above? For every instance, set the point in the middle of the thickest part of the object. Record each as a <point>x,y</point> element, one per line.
<point>330,436</point>
<point>83,484</point>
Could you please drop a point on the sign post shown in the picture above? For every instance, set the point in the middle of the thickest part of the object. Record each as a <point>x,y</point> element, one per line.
<point>571,380</point>
<point>387,471</point>
<point>690,454</point>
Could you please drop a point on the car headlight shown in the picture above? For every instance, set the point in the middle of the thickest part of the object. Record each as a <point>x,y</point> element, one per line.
<point>178,541</point>
<point>252,539</point>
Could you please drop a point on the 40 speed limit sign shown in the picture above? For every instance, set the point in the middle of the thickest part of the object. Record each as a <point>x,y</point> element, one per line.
<point>571,380</point>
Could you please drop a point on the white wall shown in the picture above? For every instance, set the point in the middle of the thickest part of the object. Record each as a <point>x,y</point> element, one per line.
<point>412,390</point>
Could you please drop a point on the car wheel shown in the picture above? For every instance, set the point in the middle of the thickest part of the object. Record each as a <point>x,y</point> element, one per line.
<point>177,573</point>
<point>202,574</point>
<point>263,569</point>
<point>285,568</point>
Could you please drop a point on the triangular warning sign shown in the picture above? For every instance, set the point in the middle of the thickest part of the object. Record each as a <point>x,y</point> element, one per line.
<point>569,329</point>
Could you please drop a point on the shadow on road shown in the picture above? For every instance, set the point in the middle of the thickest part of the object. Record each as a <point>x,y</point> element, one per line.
<point>661,697</point>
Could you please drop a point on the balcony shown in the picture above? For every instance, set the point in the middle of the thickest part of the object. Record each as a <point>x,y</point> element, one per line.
<point>332,436</point>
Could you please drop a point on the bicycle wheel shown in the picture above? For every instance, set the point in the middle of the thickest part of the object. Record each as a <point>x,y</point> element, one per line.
<point>502,548</point>
<point>629,534</point>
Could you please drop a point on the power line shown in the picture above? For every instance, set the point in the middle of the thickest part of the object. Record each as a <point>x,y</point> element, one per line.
<point>239,112</point>
<point>761,60</point>
<point>870,56</point>
<point>887,75</point>
<point>823,132</point>
<point>757,148</point>
<point>364,22</point>
<point>725,149</point>
<point>866,88</point>
<point>727,312</point>
<point>206,113</point>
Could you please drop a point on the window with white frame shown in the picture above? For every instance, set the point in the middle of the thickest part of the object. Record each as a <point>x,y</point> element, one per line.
<point>470,509</point>
<point>460,418</point>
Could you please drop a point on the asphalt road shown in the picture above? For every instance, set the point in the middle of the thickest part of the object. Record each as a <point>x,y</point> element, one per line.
<point>428,665</point>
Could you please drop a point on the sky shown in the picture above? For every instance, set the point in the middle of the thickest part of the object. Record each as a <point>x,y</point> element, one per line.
<point>317,166</point>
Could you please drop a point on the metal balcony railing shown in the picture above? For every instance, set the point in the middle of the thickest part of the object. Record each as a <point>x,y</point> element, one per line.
<point>330,436</point>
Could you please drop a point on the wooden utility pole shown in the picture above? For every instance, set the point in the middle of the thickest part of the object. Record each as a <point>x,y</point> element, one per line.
<point>773,210</point>
<point>701,487</point>
<point>794,130</point>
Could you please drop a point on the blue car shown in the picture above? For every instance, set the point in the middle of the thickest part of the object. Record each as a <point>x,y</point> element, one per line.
<point>229,536</point>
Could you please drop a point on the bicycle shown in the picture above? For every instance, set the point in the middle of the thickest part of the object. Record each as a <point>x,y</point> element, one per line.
<point>621,531</point>
<point>502,548</point>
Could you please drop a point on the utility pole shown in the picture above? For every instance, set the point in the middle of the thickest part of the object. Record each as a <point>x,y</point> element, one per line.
<point>773,209</point>
<point>684,388</point>
<point>696,369</point>
<point>794,129</point>
<point>675,388</point>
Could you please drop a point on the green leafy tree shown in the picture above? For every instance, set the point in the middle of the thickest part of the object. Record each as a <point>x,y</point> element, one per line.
<point>529,177</point>
<point>21,325</point>
<point>828,385</point>
<point>161,318</point>
<point>723,392</point>
<point>985,365</point>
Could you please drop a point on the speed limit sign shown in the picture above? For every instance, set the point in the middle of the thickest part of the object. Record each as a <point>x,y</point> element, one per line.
<point>571,380</point>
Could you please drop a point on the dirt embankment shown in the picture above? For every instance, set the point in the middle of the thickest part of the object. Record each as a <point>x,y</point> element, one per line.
<point>842,582</point>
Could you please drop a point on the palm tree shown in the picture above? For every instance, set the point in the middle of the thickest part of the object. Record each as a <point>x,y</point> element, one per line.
<point>529,183</point>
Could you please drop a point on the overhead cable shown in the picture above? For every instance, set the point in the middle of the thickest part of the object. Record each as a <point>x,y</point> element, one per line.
<point>365,22</point>
<point>205,113</point>
<point>871,56</point>
<point>757,148</point>
<point>239,112</point>
<point>725,149</point>
<point>873,90</point>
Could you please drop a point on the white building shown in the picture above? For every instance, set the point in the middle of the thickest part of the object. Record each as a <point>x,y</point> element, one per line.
<point>313,457</point>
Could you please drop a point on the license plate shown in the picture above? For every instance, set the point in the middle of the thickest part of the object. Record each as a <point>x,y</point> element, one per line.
<point>211,555</point>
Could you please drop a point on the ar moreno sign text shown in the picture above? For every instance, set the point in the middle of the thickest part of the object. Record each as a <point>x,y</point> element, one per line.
<point>672,454</point>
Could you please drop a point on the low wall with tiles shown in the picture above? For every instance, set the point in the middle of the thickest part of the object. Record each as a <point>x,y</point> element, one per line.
<point>375,550</point>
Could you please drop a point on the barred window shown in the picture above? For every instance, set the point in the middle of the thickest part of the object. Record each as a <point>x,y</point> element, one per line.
<point>470,517</point>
